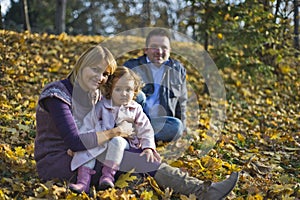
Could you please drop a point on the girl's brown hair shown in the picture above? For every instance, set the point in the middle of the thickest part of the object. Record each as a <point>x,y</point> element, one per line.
<point>91,57</point>
<point>119,72</point>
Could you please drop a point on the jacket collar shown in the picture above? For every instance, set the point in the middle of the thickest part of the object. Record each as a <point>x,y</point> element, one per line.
<point>144,60</point>
<point>107,103</point>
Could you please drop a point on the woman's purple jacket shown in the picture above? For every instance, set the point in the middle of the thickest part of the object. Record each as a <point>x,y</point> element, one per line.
<point>57,131</point>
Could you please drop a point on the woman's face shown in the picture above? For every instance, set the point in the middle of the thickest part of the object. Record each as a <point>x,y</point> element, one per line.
<point>93,76</point>
<point>123,91</point>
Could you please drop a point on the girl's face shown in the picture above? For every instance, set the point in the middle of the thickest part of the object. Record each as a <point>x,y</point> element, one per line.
<point>123,91</point>
<point>93,76</point>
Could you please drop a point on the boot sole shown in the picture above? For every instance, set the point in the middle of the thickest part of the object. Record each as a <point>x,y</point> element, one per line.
<point>78,191</point>
<point>105,186</point>
<point>236,176</point>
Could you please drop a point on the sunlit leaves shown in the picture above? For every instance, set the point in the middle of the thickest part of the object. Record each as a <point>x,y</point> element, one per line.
<point>260,136</point>
<point>148,195</point>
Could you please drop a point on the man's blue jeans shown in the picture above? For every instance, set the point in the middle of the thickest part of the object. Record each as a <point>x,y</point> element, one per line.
<point>166,128</point>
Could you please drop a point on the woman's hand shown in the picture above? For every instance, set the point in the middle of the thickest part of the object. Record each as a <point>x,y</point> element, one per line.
<point>151,155</point>
<point>70,152</point>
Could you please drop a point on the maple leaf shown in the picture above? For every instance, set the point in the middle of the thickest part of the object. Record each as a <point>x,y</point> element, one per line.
<point>155,185</point>
<point>123,180</point>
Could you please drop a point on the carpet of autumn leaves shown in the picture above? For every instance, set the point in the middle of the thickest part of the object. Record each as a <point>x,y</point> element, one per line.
<point>260,137</point>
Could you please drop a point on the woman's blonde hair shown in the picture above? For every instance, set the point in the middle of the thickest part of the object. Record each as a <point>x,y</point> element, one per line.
<point>119,72</point>
<point>92,57</point>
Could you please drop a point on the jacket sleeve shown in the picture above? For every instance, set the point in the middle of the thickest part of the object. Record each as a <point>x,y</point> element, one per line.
<point>131,63</point>
<point>62,116</point>
<point>144,129</point>
<point>182,101</point>
<point>135,62</point>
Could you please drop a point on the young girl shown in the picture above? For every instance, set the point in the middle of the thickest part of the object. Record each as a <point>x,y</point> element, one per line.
<point>116,106</point>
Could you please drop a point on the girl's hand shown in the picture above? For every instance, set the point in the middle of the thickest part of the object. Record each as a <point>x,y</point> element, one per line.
<point>126,129</point>
<point>151,155</point>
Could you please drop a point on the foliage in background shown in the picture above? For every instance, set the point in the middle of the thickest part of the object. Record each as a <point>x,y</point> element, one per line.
<point>261,133</point>
<point>253,35</point>
<point>92,17</point>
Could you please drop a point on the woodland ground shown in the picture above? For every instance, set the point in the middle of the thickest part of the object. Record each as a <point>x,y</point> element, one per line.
<point>260,137</point>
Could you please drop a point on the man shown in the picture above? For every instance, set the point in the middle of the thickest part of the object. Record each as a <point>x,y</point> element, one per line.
<point>165,86</point>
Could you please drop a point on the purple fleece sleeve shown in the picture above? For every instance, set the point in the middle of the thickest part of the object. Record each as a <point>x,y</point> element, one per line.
<point>61,114</point>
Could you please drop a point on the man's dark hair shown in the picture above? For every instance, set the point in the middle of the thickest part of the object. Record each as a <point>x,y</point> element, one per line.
<point>158,32</point>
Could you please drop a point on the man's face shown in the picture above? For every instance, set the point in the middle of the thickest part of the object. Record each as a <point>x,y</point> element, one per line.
<point>158,49</point>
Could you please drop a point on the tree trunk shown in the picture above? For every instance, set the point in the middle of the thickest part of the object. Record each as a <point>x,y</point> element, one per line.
<point>278,2</point>
<point>148,15</point>
<point>193,16</point>
<point>26,16</point>
<point>60,16</point>
<point>296,26</point>
<point>1,24</point>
